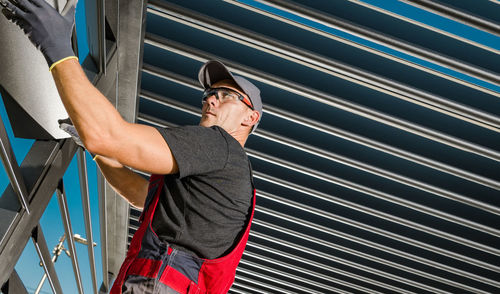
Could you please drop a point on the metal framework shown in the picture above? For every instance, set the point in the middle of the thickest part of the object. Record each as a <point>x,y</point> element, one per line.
<point>40,174</point>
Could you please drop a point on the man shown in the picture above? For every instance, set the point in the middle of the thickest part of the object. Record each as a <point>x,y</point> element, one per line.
<point>199,201</point>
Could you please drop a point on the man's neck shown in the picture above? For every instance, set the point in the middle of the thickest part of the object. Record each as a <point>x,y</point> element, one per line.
<point>240,135</point>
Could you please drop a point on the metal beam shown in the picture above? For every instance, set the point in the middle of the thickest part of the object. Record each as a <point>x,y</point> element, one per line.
<point>456,15</point>
<point>312,226</point>
<point>325,65</point>
<point>42,168</point>
<point>425,25</point>
<point>389,197</point>
<point>348,263</point>
<point>410,270</point>
<point>113,208</point>
<point>68,231</point>
<point>130,50</point>
<point>101,35</point>
<point>14,285</point>
<point>103,229</point>
<point>385,40</point>
<point>326,197</point>
<point>334,37</point>
<point>84,193</point>
<point>246,287</point>
<point>45,258</point>
<point>262,285</point>
<point>235,290</point>
<point>12,168</point>
<point>302,270</point>
<point>386,233</point>
<point>107,85</point>
<point>329,268</point>
<point>287,275</point>
<point>274,280</point>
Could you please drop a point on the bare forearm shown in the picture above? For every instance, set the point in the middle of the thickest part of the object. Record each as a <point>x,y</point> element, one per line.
<point>103,131</point>
<point>91,113</point>
<point>125,182</point>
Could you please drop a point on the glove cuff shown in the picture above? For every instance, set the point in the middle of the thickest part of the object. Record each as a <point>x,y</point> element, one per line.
<point>54,56</point>
<point>64,59</point>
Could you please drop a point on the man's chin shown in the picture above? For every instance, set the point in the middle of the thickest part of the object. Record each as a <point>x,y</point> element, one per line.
<point>207,123</point>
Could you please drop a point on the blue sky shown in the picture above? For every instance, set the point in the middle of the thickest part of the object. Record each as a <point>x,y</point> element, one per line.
<point>28,267</point>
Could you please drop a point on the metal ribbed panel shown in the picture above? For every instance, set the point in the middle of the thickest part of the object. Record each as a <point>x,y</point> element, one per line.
<point>375,174</point>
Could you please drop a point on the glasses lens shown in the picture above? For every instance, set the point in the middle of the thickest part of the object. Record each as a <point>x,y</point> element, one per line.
<point>225,95</point>
<point>207,93</point>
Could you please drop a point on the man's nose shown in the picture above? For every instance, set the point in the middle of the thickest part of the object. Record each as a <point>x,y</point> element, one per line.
<point>213,101</point>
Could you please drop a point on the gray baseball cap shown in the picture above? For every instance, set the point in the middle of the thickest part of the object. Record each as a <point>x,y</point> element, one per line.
<point>214,71</point>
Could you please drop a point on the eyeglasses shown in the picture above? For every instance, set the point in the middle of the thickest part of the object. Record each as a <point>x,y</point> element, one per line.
<point>226,94</point>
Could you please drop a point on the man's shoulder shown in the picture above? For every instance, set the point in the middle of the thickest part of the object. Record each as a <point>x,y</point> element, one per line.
<point>194,128</point>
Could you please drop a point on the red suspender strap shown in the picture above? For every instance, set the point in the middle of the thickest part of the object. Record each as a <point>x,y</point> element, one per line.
<point>217,275</point>
<point>155,182</point>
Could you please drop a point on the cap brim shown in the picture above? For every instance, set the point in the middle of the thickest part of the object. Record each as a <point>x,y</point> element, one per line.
<point>212,72</point>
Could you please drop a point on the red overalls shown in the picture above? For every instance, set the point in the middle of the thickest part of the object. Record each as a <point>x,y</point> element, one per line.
<point>152,266</point>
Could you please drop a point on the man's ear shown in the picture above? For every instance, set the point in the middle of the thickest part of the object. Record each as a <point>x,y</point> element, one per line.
<point>251,119</point>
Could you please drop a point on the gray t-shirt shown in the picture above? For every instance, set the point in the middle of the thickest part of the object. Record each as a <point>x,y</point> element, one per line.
<point>204,208</point>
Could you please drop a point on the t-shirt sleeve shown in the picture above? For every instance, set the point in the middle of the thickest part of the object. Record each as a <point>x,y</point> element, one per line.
<point>197,149</point>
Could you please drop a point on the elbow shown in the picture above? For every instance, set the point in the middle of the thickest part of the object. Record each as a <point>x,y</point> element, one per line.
<point>95,144</point>
<point>101,140</point>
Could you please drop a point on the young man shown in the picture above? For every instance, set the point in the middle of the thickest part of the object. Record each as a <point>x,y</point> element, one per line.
<point>199,201</point>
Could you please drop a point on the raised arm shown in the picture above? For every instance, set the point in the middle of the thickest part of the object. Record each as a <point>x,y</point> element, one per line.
<point>102,129</point>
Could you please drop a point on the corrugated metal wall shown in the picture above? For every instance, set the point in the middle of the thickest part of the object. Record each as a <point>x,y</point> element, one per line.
<point>377,159</point>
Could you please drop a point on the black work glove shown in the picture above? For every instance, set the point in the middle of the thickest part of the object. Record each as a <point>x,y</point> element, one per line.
<point>48,30</point>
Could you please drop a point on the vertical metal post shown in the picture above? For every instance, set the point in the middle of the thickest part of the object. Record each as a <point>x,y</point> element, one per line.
<point>103,228</point>
<point>101,26</point>
<point>63,208</point>
<point>12,168</point>
<point>57,251</point>
<point>44,254</point>
<point>82,171</point>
